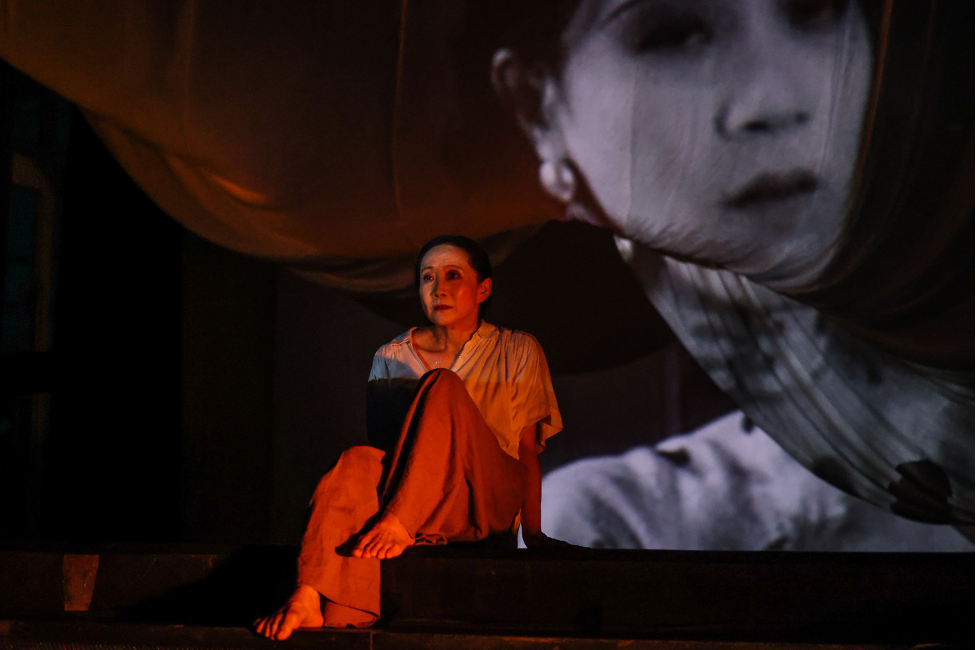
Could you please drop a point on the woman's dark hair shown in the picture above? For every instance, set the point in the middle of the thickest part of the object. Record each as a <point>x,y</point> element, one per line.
<point>477,258</point>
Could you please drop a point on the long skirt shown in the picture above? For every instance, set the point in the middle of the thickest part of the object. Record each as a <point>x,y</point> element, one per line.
<point>447,479</point>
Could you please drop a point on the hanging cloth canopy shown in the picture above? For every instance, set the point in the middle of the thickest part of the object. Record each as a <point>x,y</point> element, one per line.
<point>311,134</point>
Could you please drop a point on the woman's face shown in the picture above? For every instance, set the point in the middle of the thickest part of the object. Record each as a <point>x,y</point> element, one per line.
<point>449,288</point>
<point>725,131</point>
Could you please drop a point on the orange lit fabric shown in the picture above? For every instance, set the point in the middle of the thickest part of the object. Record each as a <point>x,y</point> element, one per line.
<point>312,134</point>
<point>447,480</point>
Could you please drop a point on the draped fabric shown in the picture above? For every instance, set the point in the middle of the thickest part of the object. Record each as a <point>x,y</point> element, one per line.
<point>895,434</point>
<point>313,134</point>
<point>337,138</point>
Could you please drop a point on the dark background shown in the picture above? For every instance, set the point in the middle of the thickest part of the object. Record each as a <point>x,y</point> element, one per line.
<point>156,387</point>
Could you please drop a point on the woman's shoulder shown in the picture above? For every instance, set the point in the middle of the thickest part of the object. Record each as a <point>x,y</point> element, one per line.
<point>395,360</point>
<point>519,337</point>
<point>518,343</point>
<point>392,348</point>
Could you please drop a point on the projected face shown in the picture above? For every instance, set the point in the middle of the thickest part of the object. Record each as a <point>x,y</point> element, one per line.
<point>725,131</point>
<point>449,288</point>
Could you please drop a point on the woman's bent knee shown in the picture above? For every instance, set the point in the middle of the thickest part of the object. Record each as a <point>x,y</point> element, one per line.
<point>441,375</point>
<point>443,385</point>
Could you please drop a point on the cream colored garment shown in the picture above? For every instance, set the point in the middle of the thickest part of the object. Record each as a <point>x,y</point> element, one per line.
<point>505,373</point>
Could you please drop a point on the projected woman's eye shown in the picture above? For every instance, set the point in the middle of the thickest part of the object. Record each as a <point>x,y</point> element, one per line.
<point>667,31</point>
<point>813,15</point>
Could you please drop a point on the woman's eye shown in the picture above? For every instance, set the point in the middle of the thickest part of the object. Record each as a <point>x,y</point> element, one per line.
<point>813,14</point>
<point>427,278</point>
<point>672,32</point>
<point>453,275</point>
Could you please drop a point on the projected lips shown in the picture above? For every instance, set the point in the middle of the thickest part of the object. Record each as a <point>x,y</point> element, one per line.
<point>771,188</point>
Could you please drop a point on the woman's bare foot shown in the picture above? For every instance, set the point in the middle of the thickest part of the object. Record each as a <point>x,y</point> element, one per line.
<point>388,538</point>
<point>303,609</point>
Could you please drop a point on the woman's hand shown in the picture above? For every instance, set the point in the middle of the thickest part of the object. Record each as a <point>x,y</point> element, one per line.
<point>539,539</point>
<point>531,533</point>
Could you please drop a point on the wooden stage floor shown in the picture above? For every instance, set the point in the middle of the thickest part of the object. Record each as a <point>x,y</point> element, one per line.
<point>139,596</point>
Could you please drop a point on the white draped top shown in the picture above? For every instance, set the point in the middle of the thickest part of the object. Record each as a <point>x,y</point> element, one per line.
<point>505,373</point>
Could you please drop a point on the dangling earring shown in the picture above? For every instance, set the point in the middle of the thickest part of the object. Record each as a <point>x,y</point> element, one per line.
<point>558,179</point>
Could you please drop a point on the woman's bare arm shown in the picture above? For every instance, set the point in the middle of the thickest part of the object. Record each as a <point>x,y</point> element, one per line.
<point>533,492</point>
<point>532,533</point>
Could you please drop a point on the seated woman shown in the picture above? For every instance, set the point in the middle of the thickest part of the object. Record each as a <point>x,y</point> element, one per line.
<point>464,466</point>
